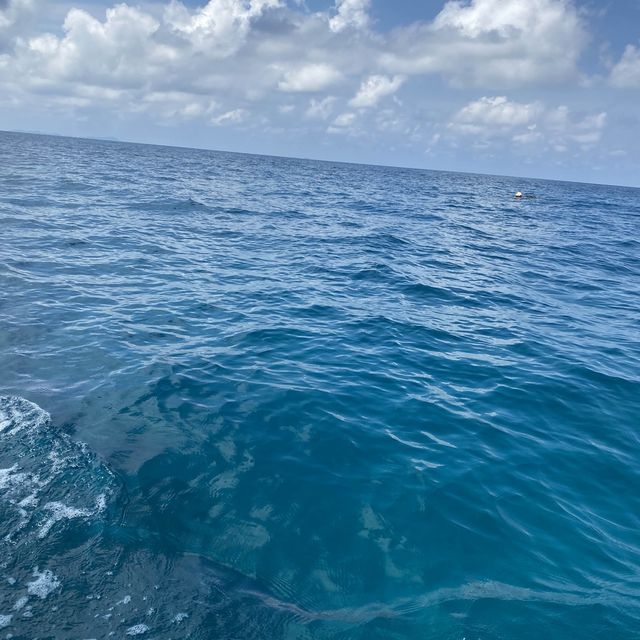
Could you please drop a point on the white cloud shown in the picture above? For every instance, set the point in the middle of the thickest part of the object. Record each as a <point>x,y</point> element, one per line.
<point>236,52</point>
<point>626,73</point>
<point>500,119</point>
<point>310,78</point>
<point>345,120</point>
<point>220,27</point>
<point>477,18</point>
<point>350,13</point>
<point>493,43</point>
<point>374,88</point>
<point>197,52</point>
<point>320,109</point>
<point>585,131</point>
<point>344,124</point>
<point>235,116</point>
<point>116,52</point>
<point>529,137</point>
<point>14,14</point>
<point>171,105</point>
<point>497,111</point>
<point>230,61</point>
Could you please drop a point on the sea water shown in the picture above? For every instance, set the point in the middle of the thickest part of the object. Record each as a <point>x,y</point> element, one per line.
<point>250,397</point>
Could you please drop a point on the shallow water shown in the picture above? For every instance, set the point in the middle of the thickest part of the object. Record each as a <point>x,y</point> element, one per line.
<point>253,397</point>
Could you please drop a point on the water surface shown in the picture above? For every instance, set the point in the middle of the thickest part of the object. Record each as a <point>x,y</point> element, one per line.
<point>252,397</point>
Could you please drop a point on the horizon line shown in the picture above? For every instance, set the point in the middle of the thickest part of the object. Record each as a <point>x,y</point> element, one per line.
<point>112,140</point>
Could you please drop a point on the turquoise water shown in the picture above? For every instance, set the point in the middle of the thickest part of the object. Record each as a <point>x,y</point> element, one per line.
<point>253,397</point>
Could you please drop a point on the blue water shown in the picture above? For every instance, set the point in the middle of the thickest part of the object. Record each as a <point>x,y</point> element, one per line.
<point>261,398</point>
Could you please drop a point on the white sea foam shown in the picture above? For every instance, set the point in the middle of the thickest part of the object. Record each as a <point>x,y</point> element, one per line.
<point>30,501</point>
<point>137,630</point>
<point>60,511</point>
<point>57,462</point>
<point>44,458</point>
<point>45,583</point>
<point>179,617</point>
<point>17,414</point>
<point>101,503</point>
<point>9,477</point>
<point>5,621</point>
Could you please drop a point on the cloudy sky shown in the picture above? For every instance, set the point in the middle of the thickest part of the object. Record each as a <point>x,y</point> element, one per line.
<point>547,88</point>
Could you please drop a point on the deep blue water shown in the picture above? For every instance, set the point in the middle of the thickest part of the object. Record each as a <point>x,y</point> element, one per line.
<point>259,398</point>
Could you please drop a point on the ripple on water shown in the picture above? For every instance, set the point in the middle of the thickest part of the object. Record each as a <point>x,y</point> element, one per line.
<point>318,400</point>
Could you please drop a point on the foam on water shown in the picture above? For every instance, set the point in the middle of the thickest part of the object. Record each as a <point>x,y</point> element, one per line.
<point>49,465</point>
<point>137,630</point>
<point>44,583</point>
<point>179,617</point>
<point>59,511</point>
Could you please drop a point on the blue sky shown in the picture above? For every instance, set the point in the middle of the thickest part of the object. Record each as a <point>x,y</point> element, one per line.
<point>546,88</point>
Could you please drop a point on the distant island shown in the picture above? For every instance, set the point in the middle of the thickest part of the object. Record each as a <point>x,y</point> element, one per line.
<point>61,135</point>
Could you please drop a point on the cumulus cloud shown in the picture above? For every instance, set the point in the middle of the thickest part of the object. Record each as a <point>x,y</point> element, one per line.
<point>220,27</point>
<point>237,62</point>
<point>310,78</point>
<point>374,88</point>
<point>626,73</point>
<point>499,119</point>
<point>169,105</point>
<point>565,128</point>
<point>495,112</point>
<point>193,56</point>
<point>350,13</point>
<point>113,53</point>
<point>345,119</point>
<point>344,123</point>
<point>320,109</point>
<point>238,51</point>
<point>493,43</point>
<point>14,15</point>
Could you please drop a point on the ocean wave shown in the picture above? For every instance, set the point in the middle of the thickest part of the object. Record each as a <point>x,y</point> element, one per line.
<point>320,401</point>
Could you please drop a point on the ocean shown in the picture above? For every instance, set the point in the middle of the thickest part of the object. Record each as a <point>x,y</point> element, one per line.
<point>249,397</point>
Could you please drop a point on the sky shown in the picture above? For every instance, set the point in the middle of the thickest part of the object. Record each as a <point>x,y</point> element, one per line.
<point>540,88</point>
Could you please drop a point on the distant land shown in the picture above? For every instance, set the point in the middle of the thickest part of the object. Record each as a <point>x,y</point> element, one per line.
<point>59,135</point>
